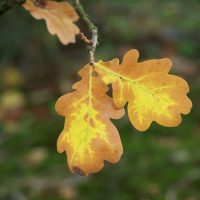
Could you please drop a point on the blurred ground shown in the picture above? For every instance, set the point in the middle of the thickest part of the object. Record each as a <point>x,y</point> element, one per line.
<point>35,69</point>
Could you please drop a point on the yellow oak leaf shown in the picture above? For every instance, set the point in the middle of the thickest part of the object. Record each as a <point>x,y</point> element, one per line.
<point>89,137</point>
<point>59,17</point>
<point>152,94</point>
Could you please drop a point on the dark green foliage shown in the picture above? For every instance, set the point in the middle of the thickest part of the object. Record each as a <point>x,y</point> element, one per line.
<point>7,4</point>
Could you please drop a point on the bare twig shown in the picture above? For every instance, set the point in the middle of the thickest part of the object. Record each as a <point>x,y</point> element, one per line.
<point>85,39</point>
<point>92,44</point>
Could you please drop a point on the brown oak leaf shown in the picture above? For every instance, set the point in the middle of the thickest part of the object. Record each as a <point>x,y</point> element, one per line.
<point>59,17</point>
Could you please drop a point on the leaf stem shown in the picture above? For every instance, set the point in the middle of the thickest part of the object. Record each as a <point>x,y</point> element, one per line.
<point>92,28</point>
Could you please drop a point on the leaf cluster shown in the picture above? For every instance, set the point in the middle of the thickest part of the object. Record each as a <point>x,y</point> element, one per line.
<point>151,94</point>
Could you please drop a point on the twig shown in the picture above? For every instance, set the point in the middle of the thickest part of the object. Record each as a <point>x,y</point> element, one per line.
<point>85,39</point>
<point>92,44</point>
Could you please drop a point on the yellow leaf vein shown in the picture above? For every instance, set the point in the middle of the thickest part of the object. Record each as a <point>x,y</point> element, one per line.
<point>132,82</point>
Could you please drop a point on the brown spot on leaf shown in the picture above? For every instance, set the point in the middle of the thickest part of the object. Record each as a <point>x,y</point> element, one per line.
<point>40,3</point>
<point>89,120</point>
<point>78,171</point>
<point>94,74</point>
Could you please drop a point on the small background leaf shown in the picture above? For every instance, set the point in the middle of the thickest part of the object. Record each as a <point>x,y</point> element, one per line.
<point>59,17</point>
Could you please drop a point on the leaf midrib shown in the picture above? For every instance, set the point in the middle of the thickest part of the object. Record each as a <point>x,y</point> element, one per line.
<point>131,81</point>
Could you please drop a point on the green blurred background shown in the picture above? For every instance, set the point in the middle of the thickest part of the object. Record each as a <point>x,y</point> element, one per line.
<point>35,69</point>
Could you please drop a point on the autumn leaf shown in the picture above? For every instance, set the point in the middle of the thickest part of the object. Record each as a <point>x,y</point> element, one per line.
<point>89,137</point>
<point>59,17</point>
<point>152,94</point>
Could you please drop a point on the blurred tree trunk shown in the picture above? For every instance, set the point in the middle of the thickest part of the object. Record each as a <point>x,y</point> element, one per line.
<point>7,4</point>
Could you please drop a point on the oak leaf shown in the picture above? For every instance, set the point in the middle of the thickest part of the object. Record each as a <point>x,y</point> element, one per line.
<point>152,94</point>
<point>59,17</point>
<point>89,137</point>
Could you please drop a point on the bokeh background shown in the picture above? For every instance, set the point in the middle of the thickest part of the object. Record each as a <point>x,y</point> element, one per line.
<point>35,69</point>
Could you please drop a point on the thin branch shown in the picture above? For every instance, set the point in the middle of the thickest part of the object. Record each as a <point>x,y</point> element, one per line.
<point>85,39</point>
<point>92,28</point>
